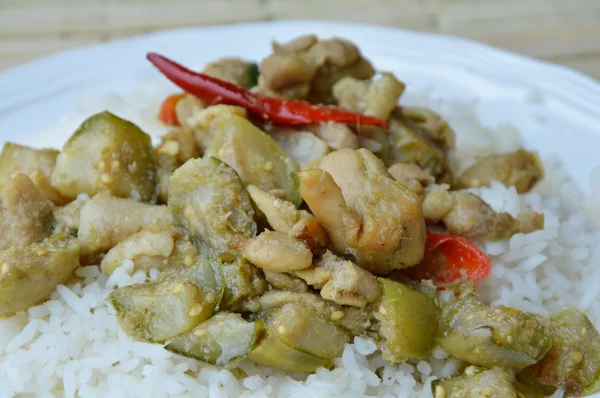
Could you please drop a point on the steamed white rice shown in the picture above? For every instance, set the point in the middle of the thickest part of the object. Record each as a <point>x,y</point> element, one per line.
<point>72,345</point>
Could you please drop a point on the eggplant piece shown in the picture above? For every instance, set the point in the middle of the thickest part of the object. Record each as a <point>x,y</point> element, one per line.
<point>222,340</point>
<point>173,304</point>
<point>210,203</point>
<point>521,169</point>
<point>26,217</point>
<point>242,281</point>
<point>29,275</point>
<point>573,362</point>
<point>493,383</point>
<point>107,153</point>
<point>297,339</point>
<point>254,155</point>
<point>408,322</point>
<point>493,336</point>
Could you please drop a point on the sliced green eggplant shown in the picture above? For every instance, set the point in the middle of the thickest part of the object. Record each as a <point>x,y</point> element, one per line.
<point>210,203</point>
<point>408,322</point>
<point>221,340</point>
<point>255,156</point>
<point>297,339</point>
<point>573,362</point>
<point>481,384</point>
<point>29,275</point>
<point>242,281</point>
<point>161,310</point>
<point>107,153</point>
<point>493,336</point>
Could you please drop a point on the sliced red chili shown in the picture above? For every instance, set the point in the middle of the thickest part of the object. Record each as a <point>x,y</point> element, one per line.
<point>280,111</point>
<point>450,258</point>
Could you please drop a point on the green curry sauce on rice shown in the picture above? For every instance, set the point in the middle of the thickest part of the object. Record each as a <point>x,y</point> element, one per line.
<point>295,233</point>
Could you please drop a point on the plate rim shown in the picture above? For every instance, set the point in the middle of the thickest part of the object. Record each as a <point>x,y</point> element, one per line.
<point>462,41</point>
<point>575,90</point>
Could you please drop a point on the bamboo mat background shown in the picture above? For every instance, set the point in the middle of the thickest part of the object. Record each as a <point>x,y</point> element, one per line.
<point>562,31</point>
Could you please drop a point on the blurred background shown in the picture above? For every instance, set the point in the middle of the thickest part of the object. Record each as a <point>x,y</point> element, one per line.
<point>562,31</point>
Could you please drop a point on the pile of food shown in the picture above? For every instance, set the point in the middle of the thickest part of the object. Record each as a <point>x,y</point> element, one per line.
<point>292,210</point>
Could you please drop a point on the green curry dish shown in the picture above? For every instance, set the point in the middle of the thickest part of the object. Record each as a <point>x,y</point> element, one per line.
<point>492,336</point>
<point>29,275</point>
<point>210,203</point>
<point>573,362</point>
<point>297,339</point>
<point>476,383</point>
<point>408,322</point>
<point>107,153</point>
<point>255,156</point>
<point>222,340</point>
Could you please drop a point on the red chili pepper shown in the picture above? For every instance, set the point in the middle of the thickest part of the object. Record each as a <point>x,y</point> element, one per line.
<point>450,258</point>
<point>275,110</point>
<point>167,113</point>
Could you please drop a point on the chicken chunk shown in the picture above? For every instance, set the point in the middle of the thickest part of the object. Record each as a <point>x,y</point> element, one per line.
<point>278,252</point>
<point>307,68</point>
<point>300,43</point>
<point>148,249</point>
<point>281,71</point>
<point>377,98</point>
<point>283,281</point>
<point>234,70</point>
<point>181,143</point>
<point>303,146</point>
<point>68,215</point>
<point>466,214</point>
<point>412,176</point>
<point>432,124</point>
<point>186,109</point>
<point>367,214</point>
<point>106,221</point>
<point>25,215</point>
<point>38,164</point>
<point>336,135</point>
<point>422,137</point>
<point>521,169</point>
<point>283,216</point>
<point>342,281</point>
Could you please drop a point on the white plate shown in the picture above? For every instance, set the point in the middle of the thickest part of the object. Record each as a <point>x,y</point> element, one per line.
<point>557,110</point>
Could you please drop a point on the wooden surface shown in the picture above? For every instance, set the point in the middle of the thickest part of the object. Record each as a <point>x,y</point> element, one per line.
<point>561,31</point>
